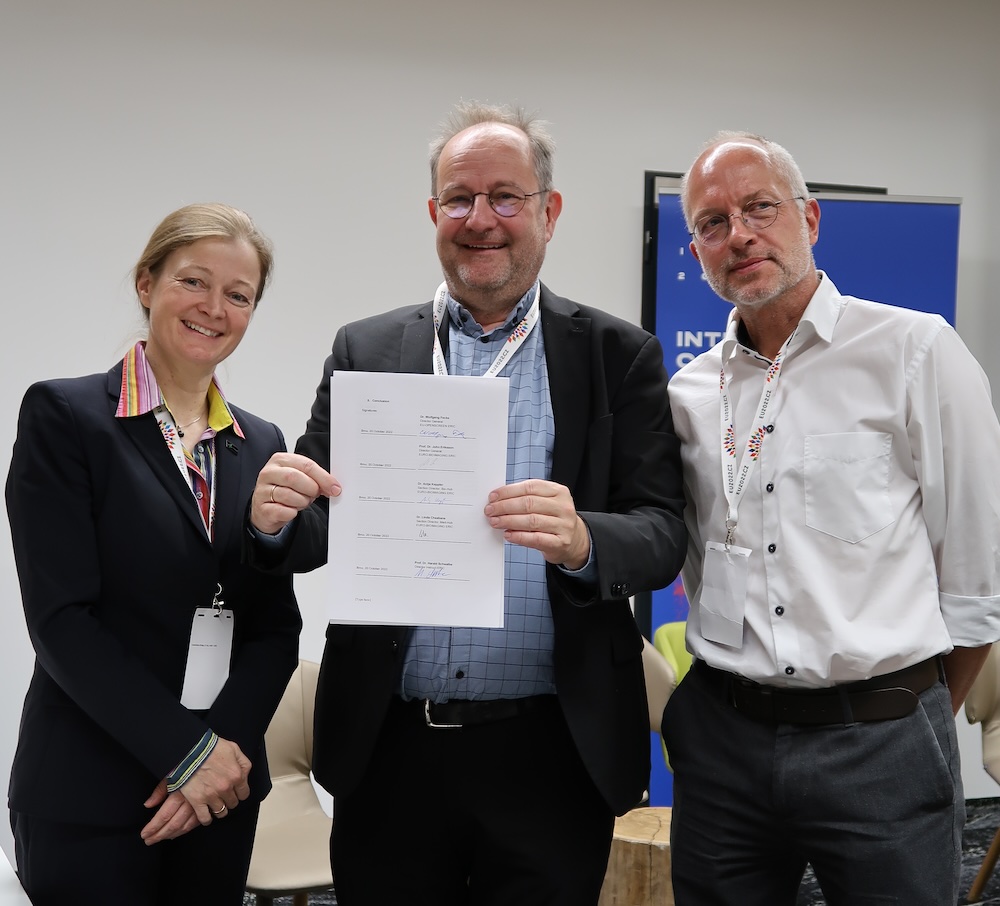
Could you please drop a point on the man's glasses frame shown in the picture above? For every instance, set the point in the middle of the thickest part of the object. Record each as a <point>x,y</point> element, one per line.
<point>507,201</point>
<point>759,214</point>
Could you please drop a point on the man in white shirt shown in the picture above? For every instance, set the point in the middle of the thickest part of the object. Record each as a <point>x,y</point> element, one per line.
<point>841,473</point>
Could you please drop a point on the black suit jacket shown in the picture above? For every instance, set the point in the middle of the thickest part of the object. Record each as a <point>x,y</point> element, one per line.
<point>113,559</point>
<point>616,451</point>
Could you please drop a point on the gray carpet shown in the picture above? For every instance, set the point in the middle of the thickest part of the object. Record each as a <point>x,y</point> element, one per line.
<point>983,819</point>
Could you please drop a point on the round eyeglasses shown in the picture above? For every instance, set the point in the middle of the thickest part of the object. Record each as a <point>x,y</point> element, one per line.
<point>758,214</point>
<point>506,201</point>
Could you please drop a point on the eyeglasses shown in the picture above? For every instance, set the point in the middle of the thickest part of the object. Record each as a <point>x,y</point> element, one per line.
<point>758,214</point>
<point>506,201</point>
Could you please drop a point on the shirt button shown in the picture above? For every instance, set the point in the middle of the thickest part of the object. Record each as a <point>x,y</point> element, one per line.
<point>769,428</point>
<point>779,610</point>
<point>789,671</point>
<point>198,494</point>
<point>770,487</point>
<point>771,548</point>
<point>484,339</point>
<point>459,674</point>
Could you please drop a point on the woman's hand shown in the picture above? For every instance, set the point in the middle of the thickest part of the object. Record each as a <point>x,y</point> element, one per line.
<point>174,818</point>
<point>219,783</point>
<point>215,788</point>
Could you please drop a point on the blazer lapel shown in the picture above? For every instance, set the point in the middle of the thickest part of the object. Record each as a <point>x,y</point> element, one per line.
<point>145,433</point>
<point>417,343</point>
<point>229,501</point>
<point>567,356</point>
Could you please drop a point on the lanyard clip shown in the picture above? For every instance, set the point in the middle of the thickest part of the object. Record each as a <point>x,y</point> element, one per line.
<point>730,532</point>
<point>217,602</point>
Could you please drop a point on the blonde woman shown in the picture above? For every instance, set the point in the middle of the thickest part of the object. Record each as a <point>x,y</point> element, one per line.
<point>159,656</point>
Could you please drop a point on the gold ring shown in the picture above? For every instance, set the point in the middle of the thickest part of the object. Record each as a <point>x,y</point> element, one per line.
<point>220,812</point>
<point>274,488</point>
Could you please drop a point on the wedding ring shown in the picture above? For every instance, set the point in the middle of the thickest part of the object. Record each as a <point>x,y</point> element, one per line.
<point>220,812</point>
<point>274,488</point>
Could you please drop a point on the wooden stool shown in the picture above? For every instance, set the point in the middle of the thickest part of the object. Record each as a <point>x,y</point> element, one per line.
<point>639,865</point>
<point>975,893</point>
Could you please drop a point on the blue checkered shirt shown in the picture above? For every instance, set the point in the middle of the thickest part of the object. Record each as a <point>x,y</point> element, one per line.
<point>442,663</point>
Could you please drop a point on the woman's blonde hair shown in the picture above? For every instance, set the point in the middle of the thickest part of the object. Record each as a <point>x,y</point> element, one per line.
<point>204,221</point>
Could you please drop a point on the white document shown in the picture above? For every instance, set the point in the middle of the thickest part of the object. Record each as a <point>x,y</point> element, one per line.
<point>417,456</point>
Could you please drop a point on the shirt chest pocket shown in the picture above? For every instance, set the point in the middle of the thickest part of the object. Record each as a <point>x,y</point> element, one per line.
<point>847,484</point>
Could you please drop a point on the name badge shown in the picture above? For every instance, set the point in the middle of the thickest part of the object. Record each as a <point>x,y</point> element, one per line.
<point>723,598</point>
<point>208,656</point>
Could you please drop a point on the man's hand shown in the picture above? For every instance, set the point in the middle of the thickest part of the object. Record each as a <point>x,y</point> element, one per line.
<point>541,515</point>
<point>961,667</point>
<point>174,817</point>
<point>288,483</point>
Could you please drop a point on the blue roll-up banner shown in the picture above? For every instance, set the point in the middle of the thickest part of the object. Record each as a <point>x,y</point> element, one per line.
<point>897,249</point>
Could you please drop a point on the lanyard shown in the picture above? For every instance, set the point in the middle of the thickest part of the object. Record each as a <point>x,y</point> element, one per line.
<point>513,344</point>
<point>735,480</point>
<point>176,449</point>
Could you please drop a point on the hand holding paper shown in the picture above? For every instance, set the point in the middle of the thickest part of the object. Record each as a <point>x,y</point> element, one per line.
<point>288,483</point>
<point>541,515</point>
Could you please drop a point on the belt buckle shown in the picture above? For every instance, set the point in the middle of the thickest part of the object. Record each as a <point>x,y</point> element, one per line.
<point>430,720</point>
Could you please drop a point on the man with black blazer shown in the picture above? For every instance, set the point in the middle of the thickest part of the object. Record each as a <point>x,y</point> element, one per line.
<point>497,759</point>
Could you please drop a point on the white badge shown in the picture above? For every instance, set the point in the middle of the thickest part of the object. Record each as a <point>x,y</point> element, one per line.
<point>723,597</point>
<point>208,657</point>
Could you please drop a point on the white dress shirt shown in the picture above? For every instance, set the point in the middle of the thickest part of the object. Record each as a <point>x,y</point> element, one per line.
<point>873,510</point>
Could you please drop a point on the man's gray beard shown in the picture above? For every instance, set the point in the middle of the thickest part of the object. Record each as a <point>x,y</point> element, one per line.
<point>753,299</point>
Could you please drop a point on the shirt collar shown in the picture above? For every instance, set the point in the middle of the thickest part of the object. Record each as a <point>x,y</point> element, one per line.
<point>824,309</point>
<point>819,319</point>
<point>462,318</point>
<point>141,394</point>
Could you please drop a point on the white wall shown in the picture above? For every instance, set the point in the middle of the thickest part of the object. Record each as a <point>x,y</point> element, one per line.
<point>314,116</point>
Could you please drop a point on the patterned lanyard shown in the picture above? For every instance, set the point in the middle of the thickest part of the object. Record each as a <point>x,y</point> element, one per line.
<point>735,480</point>
<point>514,341</point>
<point>197,470</point>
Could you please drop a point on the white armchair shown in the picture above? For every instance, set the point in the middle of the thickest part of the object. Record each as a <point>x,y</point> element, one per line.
<point>291,852</point>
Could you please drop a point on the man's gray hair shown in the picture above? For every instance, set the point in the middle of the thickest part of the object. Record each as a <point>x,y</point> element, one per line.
<point>783,163</point>
<point>475,113</point>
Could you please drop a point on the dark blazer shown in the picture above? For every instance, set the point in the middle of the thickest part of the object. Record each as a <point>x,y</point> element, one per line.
<point>616,451</point>
<point>113,558</point>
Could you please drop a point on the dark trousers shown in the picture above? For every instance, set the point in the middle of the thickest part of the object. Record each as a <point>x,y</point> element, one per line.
<point>88,865</point>
<point>493,815</point>
<point>876,808</point>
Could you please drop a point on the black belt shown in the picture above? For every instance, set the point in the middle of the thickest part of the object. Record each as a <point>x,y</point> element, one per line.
<point>461,712</point>
<point>887,697</point>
